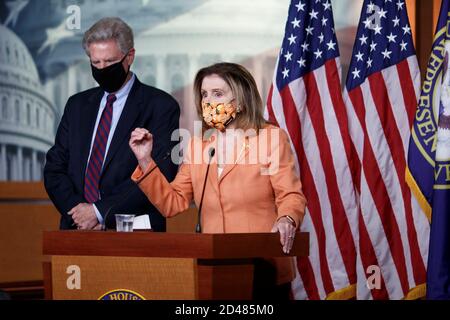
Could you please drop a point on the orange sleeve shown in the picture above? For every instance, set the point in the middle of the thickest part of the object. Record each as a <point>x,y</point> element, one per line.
<point>169,198</point>
<point>285,182</point>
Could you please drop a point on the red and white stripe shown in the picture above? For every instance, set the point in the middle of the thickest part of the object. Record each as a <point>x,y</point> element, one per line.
<point>393,232</point>
<point>312,111</point>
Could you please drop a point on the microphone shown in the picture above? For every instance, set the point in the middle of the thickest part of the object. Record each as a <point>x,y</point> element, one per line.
<point>198,228</point>
<point>128,192</point>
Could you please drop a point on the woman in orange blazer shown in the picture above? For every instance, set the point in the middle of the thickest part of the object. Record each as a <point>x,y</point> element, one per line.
<point>251,186</point>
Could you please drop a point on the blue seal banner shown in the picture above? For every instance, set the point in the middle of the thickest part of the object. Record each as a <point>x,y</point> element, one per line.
<point>121,294</point>
<point>428,172</point>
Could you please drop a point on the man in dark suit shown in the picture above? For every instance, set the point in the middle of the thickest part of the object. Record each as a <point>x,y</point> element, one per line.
<point>87,171</point>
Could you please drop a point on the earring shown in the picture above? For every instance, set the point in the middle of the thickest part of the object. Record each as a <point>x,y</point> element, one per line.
<point>238,109</point>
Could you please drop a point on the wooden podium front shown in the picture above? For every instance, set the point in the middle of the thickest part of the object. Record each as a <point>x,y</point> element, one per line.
<point>156,266</point>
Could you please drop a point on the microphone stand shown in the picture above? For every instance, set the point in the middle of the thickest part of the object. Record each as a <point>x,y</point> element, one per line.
<point>198,227</point>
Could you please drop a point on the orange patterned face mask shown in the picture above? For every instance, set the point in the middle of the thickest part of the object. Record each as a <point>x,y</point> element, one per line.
<point>218,115</point>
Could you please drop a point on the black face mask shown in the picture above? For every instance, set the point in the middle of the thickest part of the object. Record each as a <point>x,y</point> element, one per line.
<point>112,77</point>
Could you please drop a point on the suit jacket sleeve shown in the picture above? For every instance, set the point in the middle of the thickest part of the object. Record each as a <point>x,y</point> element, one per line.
<point>164,121</point>
<point>287,187</point>
<point>169,198</point>
<point>57,182</point>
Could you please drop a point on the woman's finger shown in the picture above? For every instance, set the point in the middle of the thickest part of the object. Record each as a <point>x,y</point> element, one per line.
<point>142,131</point>
<point>134,133</point>
<point>139,132</point>
<point>287,234</point>
<point>274,228</point>
<point>290,243</point>
<point>290,233</point>
<point>147,136</point>
<point>291,237</point>
<point>283,237</point>
<point>137,138</point>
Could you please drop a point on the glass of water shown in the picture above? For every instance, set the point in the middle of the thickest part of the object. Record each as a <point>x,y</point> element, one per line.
<point>124,222</point>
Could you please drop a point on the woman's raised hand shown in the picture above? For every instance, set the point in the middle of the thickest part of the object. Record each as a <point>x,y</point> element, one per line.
<point>141,143</point>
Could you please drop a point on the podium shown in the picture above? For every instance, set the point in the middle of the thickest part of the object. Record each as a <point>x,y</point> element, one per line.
<point>150,265</point>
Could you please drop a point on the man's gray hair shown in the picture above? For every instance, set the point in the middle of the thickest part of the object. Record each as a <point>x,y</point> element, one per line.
<point>110,29</point>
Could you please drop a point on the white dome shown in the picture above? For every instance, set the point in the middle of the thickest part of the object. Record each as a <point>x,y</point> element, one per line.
<point>16,63</point>
<point>27,117</point>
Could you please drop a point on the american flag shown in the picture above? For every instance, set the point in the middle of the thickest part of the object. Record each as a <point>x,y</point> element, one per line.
<point>305,99</point>
<point>429,157</point>
<point>381,97</point>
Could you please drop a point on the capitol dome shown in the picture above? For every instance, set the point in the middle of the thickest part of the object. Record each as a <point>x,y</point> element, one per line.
<point>27,117</point>
<point>16,59</point>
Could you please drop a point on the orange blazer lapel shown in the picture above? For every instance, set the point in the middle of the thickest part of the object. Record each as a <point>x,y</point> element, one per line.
<point>241,155</point>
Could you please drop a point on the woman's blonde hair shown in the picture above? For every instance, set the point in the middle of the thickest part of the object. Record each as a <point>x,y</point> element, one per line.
<point>244,91</point>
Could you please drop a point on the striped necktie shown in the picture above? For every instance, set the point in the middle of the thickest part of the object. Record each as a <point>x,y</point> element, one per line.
<point>94,169</point>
